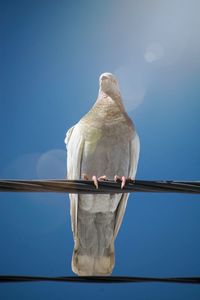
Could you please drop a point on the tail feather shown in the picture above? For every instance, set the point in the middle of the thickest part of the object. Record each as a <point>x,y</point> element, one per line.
<point>85,265</point>
<point>94,245</point>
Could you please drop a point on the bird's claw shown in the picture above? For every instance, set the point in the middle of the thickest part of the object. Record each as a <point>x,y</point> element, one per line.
<point>101,178</point>
<point>95,179</point>
<point>123,180</point>
<point>117,178</point>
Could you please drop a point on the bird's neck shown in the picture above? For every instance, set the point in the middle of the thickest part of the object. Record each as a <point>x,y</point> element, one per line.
<point>110,99</point>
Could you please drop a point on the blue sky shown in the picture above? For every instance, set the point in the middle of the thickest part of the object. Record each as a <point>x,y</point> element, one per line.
<point>52,53</point>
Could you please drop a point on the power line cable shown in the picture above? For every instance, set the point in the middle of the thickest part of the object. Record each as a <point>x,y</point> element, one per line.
<point>99,279</point>
<point>105,187</point>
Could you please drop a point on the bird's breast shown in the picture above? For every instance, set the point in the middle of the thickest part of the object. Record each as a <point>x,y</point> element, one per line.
<point>106,152</point>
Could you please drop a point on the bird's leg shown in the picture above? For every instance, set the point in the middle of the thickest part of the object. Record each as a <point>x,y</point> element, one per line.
<point>123,180</point>
<point>101,178</point>
<point>95,179</point>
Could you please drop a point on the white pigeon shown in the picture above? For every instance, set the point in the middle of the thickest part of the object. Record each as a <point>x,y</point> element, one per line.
<point>102,145</point>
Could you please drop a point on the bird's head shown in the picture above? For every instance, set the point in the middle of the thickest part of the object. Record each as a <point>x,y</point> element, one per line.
<point>108,83</point>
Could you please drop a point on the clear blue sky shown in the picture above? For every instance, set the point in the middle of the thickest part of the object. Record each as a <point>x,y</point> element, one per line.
<point>52,53</point>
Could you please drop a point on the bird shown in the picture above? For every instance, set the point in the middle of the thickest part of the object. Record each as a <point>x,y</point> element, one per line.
<point>103,145</point>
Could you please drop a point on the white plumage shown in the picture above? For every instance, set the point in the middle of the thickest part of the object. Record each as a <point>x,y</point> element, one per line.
<point>103,142</point>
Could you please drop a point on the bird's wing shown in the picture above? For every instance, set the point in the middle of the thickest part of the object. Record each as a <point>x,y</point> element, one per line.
<point>134,157</point>
<point>75,143</point>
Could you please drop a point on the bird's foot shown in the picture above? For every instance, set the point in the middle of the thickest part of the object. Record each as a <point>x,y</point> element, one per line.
<point>101,178</point>
<point>95,179</point>
<point>123,180</point>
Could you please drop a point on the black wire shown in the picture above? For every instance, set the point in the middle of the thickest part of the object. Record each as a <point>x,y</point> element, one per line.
<point>105,187</point>
<point>99,279</point>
